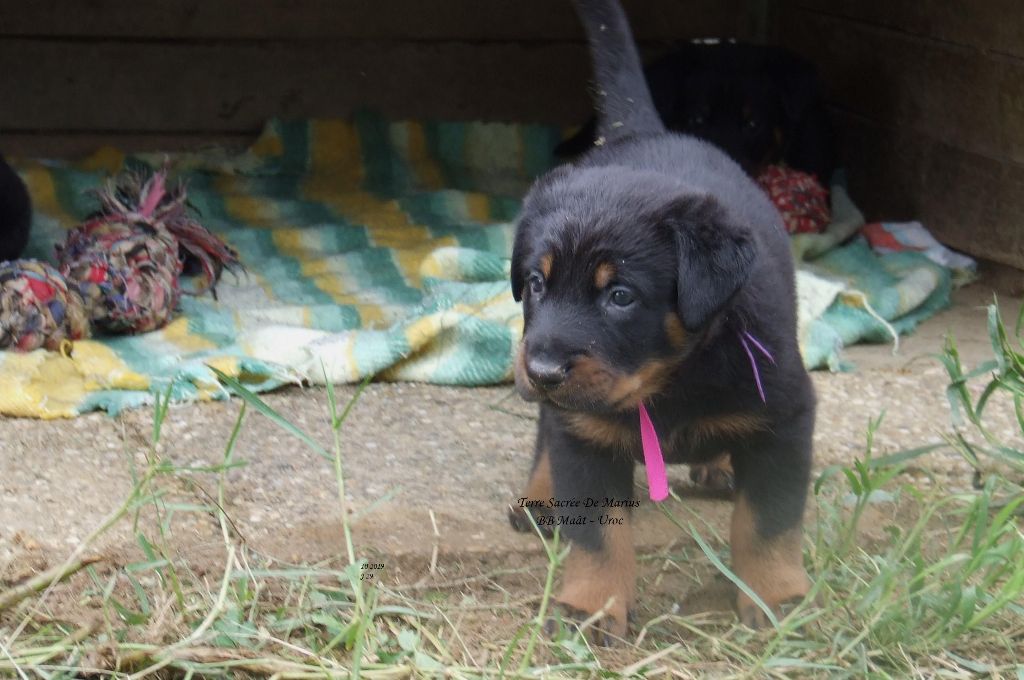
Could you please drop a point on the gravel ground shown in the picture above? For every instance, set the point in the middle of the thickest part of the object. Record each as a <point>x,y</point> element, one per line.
<point>411,451</point>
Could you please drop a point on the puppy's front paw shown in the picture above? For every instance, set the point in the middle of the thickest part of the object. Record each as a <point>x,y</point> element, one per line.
<point>752,616</point>
<point>605,631</point>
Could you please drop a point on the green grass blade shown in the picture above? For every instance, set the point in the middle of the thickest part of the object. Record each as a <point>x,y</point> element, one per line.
<point>261,407</point>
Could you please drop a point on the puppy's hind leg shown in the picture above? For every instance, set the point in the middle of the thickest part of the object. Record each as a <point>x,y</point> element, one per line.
<point>714,475</point>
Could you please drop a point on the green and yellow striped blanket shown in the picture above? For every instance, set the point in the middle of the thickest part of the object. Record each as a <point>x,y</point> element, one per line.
<point>375,248</point>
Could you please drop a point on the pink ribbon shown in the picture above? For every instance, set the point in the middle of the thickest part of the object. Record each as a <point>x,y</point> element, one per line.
<point>654,461</point>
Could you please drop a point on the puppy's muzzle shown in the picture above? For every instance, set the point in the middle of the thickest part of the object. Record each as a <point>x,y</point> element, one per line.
<point>539,373</point>
<point>546,373</point>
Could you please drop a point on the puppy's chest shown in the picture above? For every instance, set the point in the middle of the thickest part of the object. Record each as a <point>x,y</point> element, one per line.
<point>684,439</point>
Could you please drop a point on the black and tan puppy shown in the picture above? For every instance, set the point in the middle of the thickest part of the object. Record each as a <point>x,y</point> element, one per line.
<point>15,213</point>
<point>760,104</point>
<point>654,271</point>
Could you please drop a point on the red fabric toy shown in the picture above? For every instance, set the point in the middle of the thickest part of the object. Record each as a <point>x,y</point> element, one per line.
<point>799,198</point>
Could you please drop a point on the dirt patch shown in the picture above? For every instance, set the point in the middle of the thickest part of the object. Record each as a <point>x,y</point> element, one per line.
<point>418,457</point>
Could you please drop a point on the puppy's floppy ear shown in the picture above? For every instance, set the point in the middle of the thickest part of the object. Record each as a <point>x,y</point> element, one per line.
<point>715,258</point>
<point>519,251</point>
<point>536,214</point>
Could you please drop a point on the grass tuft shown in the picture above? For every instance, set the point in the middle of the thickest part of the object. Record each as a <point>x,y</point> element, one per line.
<point>1005,381</point>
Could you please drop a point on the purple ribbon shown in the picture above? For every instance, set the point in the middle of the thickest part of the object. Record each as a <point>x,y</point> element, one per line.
<point>744,336</point>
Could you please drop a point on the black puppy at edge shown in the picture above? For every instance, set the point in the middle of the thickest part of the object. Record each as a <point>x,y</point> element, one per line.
<point>15,213</point>
<point>760,104</point>
<point>644,270</point>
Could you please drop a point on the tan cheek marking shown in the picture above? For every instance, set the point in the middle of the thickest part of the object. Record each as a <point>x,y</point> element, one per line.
<point>625,386</point>
<point>546,263</point>
<point>615,389</point>
<point>605,579</point>
<point>773,568</point>
<point>674,330</point>
<point>647,381</point>
<point>603,275</point>
<point>591,376</point>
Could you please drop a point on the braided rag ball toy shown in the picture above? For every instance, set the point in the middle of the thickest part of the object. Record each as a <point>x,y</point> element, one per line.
<point>119,270</point>
<point>37,308</point>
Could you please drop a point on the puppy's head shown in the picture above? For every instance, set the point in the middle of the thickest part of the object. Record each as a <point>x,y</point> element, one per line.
<point>741,114</point>
<point>620,274</point>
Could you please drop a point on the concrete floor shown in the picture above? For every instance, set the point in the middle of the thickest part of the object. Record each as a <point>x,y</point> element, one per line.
<point>409,451</point>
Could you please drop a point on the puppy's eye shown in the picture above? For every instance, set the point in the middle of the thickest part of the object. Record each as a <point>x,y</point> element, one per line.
<point>621,297</point>
<point>536,283</point>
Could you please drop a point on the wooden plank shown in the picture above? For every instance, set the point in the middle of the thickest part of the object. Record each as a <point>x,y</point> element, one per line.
<point>958,95</point>
<point>1005,280</point>
<point>970,202</point>
<point>76,145</point>
<point>235,87</point>
<point>472,20</point>
<point>995,26</point>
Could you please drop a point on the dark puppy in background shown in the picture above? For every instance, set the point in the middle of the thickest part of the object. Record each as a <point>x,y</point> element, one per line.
<point>654,271</point>
<point>15,213</point>
<point>762,105</point>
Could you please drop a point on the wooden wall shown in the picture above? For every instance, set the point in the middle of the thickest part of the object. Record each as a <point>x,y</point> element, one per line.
<point>928,94</point>
<point>929,102</point>
<point>178,73</point>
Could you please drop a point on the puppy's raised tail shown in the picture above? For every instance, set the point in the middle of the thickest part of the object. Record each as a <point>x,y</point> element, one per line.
<point>623,102</point>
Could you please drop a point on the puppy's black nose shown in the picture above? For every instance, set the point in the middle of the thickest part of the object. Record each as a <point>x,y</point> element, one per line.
<point>545,372</point>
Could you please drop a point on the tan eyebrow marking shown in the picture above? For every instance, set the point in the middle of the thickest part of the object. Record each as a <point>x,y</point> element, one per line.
<point>545,265</point>
<point>603,275</point>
